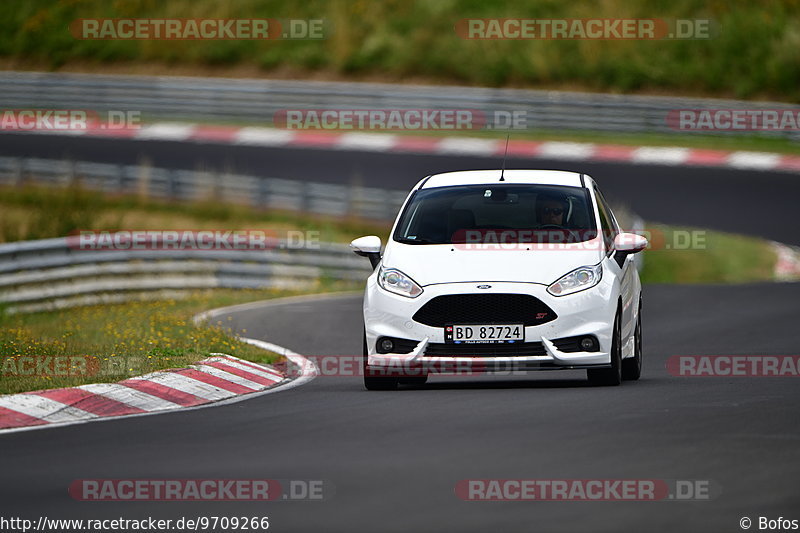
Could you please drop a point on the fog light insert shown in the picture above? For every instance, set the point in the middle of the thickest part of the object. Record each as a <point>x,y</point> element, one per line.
<point>386,345</point>
<point>589,344</point>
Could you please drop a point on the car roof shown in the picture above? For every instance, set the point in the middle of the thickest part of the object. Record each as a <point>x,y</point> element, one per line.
<point>511,176</point>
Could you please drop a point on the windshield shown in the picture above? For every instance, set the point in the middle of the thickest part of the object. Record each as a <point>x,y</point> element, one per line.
<point>501,212</point>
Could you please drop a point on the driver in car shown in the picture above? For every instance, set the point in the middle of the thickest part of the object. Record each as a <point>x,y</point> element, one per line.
<point>551,210</point>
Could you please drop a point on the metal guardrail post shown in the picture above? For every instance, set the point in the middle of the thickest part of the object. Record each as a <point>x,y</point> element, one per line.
<point>262,199</point>
<point>172,184</point>
<point>19,171</point>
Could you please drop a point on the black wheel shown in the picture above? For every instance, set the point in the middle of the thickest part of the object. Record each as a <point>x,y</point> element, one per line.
<point>632,366</point>
<point>372,382</point>
<point>610,377</point>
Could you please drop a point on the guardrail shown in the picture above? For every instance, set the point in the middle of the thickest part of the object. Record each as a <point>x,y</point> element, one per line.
<point>194,185</point>
<point>52,274</point>
<point>256,101</point>
<point>55,273</point>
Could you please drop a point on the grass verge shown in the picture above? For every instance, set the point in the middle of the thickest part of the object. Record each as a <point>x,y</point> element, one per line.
<point>751,52</point>
<point>33,212</point>
<point>704,256</point>
<point>108,343</point>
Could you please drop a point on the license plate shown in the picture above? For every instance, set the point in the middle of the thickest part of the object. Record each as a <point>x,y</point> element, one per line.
<point>484,333</point>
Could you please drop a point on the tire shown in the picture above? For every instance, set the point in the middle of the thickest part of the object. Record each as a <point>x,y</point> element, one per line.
<point>610,377</point>
<point>632,366</point>
<point>372,382</point>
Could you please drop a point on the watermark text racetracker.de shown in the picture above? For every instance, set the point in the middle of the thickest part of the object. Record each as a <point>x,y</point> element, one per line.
<point>734,366</point>
<point>405,366</point>
<point>198,29</point>
<point>68,119</point>
<point>640,490</point>
<point>185,490</point>
<point>50,366</point>
<point>787,119</point>
<point>70,366</point>
<point>217,240</point>
<point>593,28</point>
<point>428,119</point>
<point>578,240</point>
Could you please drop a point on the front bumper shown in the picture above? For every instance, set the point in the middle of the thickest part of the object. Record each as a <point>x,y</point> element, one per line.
<point>554,360</point>
<point>589,312</point>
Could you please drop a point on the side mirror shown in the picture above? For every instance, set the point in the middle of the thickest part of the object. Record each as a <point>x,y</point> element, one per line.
<point>630,243</point>
<point>626,244</point>
<point>369,247</point>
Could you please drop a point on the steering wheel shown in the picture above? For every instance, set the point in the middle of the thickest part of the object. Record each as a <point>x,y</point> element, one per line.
<point>557,227</point>
<point>552,226</point>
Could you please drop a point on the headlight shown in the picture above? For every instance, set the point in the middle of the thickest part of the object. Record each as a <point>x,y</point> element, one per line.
<point>392,280</point>
<point>577,280</point>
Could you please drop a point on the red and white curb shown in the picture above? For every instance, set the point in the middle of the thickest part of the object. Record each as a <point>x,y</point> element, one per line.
<point>386,142</point>
<point>787,266</point>
<point>216,380</point>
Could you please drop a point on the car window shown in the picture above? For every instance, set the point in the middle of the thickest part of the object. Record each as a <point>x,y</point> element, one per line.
<point>525,213</point>
<point>608,224</point>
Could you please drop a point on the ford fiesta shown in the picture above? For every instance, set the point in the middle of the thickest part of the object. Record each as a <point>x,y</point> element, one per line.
<point>496,271</point>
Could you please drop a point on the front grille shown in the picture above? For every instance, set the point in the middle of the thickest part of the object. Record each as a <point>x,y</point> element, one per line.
<point>484,309</point>
<point>515,349</point>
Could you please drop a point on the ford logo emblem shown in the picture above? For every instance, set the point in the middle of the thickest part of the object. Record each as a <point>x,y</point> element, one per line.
<point>484,286</point>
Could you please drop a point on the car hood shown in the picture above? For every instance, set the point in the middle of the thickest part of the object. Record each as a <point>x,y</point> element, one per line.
<point>429,264</point>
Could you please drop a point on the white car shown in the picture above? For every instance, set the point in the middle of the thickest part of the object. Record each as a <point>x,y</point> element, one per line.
<point>502,270</point>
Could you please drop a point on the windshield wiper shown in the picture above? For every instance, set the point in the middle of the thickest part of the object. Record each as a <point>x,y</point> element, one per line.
<point>406,240</point>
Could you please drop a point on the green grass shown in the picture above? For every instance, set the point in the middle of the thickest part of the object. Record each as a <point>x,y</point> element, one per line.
<point>108,343</point>
<point>32,212</point>
<point>753,53</point>
<point>714,257</point>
